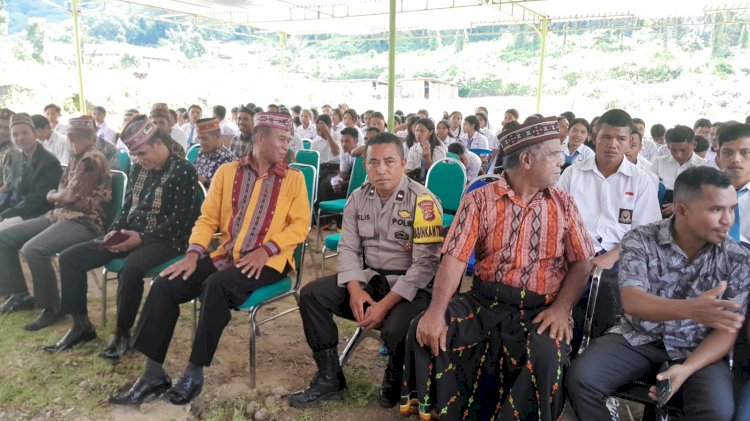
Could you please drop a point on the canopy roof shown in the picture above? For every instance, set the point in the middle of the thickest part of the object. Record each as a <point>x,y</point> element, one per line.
<point>371,16</point>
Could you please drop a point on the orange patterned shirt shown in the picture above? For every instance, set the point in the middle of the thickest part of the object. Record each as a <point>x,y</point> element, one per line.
<point>519,244</point>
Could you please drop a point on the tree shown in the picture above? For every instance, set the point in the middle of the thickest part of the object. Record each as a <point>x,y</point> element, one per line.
<point>35,36</point>
<point>128,61</point>
<point>460,40</point>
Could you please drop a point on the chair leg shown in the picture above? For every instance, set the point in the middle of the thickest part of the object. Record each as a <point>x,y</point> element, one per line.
<point>323,259</point>
<point>251,345</point>
<point>318,223</point>
<point>356,338</point>
<point>104,298</point>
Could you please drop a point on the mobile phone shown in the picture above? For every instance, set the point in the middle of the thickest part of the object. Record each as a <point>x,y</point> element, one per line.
<point>115,239</point>
<point>663,387</point>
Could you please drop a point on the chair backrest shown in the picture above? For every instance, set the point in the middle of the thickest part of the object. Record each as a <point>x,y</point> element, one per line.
<point>446,179</point>
<point>359,175</point>
<point>453,155</point>
<point>481,181</point>
<point>308,157</point>
<point>662,192</point>
<point>200,196</point>
<point>481,151</point>
<point>123,157</point>
<point>311,181</point>
<point>306,143</point>
<point>193,152</point>
<point>290,156</point>
<point>602,314</point>
<point>119,187</point>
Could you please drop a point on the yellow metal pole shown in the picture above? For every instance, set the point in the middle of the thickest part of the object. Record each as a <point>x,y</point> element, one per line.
<point>76,39</point>
<point>543,34</point>
<point>391,64</point>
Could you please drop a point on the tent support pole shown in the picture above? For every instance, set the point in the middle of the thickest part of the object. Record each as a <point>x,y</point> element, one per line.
<point>391,63</point>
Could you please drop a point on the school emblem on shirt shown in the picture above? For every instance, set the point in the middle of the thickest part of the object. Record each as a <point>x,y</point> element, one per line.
<point>404,214</point>
<point>625,216</point>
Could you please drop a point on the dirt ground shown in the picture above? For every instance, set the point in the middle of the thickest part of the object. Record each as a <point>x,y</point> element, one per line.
<point>284,364</point>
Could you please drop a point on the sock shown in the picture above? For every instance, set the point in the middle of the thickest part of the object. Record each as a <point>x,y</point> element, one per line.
<point>153,370</point>
<point>194,371</point>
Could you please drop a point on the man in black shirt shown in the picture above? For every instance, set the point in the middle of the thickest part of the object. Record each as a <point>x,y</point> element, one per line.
<point>154,224</point>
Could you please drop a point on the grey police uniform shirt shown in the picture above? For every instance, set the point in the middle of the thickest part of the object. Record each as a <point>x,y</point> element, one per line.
<point>402,234</point>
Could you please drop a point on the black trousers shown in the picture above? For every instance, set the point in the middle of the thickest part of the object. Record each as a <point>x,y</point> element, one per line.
<point>610,362</point>
<point>77,260</point>
<point>321,299</point>
<point>220,291</point>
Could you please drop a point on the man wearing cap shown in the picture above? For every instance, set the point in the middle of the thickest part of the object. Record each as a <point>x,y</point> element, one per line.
<point>499,350</point>
<point>39,173</point>
<point>213,154</point>
<point>163,120</point>
<point>81,202</point>
<point>10,156</point>
<point>242,142</point>
<point>393,223</point>
<point>260,206</point>
<point>151,229</point>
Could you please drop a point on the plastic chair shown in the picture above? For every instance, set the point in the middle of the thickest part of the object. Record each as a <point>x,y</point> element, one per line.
<point>310,158</point>
<point>331,242</point>
<point>311,180</point>
<point>446,179</point>
<point>336,207</point>
<point>481,151</point>
<point>306,144</point>
<point>454,156</point>
<point>662,192</point>
<point>192,153</point>
<point>290,156</point>
<point>115,265</point>
<point>123,157</point>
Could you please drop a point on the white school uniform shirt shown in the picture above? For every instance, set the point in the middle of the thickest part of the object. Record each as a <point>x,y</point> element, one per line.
<point>456,133</point>
<point>743,203</point>
<point>414,157</point>
<point>581,153</point>
<point>492,142</point>
<point>649,148</point>
<point>179,136</point>
<point>227,128</point>
<point>667,168</point>
<point>59,146</point>
<point>475,164</point>
<point>321,145</point>
<point>448,141</point>
<point>611,206</point>
<point>712,163</point>
<point>662,150</point>
<point>106,133</point>
<point>645,165</point>
<point>189,130</point>
<point>476,141</point>
<point>307,133</point>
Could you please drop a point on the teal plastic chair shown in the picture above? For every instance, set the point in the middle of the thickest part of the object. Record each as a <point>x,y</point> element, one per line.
<point>330,243</point>
<point>115,265</point>
<point>453,155</point>
<point>123,157</point>
<point>446,179</point>
<point>192,153</point>
<point>336,207</point>
<point>306,144</point>
<point>311,180</point>
<point>290,156</point>
<point>309,157</point>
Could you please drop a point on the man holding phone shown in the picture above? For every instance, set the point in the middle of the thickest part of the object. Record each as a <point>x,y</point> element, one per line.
<point>684,286</point>
<point>152,228</point>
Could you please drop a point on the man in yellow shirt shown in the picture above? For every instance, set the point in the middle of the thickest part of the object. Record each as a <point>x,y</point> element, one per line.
<point>262,210</point>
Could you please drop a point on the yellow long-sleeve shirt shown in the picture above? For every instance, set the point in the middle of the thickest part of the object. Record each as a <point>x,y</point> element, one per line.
<point>269,211</point>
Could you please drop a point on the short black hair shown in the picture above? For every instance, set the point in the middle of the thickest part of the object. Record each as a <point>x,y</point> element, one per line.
<point>701,144</point>
<point>385,138</point>
<point>456,148</point>
<point>246,111</point>
<point>513,112</point>
<point>733,131</point>
<point>352,113</point>
<point>297,109</point>
<point>474,121</point>
<point>690,181</point>
<point>55,107</point>
<point>658,130</point>
<point>425,112</point>
<point>570,116</point>
<point>583,122</point>
<point>100,109</point>
<point>370,129</point>
<point>220,111</point>
<point>377,114</point>
<point>181,110</point>
<point>637,120</point>
<point>680,134</point>
<point>701,122</point>
<point>195,106</point>
<point>40,121</point>
<point>325,119</point>
<point>615,118</point>
<point>235,109</point>
<point>351,131</point>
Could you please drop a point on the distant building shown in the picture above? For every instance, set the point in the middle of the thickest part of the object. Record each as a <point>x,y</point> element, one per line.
<point>428,88</point>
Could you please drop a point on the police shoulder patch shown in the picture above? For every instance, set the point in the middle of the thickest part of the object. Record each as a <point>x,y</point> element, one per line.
<point>427,221</point>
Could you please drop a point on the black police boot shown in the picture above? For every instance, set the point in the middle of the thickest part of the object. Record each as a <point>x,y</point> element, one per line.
<point>328,384</point>
<point>390,389</point>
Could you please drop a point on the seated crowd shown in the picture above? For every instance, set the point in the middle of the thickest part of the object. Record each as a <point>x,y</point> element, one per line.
<point>665,216</point>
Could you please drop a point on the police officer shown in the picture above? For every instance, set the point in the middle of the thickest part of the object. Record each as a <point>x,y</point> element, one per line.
<point>395,222</point>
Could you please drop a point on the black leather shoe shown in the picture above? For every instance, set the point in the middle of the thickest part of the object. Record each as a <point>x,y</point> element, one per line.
<point>183,391</point>
<point>390,390</point>
<point>72,338</point>
<point>46,318</point>
<point>141,390</point>
<point>117,346</point>
<point>17,302</point>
